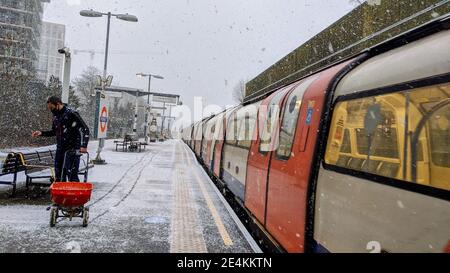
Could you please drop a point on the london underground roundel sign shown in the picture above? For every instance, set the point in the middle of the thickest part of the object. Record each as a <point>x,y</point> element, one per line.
<point>103,119</point>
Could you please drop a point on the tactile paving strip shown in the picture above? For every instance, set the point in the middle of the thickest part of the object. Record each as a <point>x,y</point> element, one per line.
<point>186,235</point>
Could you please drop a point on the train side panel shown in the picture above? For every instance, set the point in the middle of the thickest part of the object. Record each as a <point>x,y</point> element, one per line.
<point>217,144</point>
<point>204,139</point>
<point>290,167</point>
<point>260,154</point>
<point>207,142</point>
<point>239,134</point>
<point>384,184</point>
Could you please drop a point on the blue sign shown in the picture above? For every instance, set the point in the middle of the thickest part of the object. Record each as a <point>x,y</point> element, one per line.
<point>309,115</point>
<point>103,119</point>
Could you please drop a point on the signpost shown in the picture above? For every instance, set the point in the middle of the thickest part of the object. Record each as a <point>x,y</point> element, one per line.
<point>165,98</point>
<point>102,126</point>
<point>101,116</point>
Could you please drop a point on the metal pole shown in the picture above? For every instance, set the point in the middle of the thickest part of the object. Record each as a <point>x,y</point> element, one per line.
<point>136,116</point>
<point>163,119</point>
<point>168,121</point>
<point>66,81</point>
<point>147,112</point>
<point>101,143</point>
<point>105,69</point>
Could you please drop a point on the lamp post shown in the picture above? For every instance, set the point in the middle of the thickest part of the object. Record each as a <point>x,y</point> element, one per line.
<point>148,99</point>
<point>125,17</point>
<point>66,80</point>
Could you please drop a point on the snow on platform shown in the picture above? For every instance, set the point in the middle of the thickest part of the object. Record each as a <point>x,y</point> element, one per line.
<point>159,200</point>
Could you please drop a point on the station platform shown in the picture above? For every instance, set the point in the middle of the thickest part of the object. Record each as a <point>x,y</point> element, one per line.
<point>156,201</point>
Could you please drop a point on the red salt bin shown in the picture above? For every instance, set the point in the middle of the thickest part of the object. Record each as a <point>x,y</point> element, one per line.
<point>70,194</point>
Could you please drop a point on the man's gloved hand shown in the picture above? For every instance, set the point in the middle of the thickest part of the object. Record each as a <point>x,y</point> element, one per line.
<point>83,150</point>
<point>36,133</point>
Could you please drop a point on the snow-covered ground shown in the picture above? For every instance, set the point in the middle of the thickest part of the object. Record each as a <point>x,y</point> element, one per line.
<point>159,200</point>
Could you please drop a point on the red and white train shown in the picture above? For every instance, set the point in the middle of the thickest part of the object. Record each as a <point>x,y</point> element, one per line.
<point>353,158</point>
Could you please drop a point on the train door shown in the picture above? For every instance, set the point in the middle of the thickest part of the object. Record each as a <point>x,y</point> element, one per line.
<point>292,158</point>
<point>208,142</point>
<point>260,153</point>
<point>216,144</point>
<point>205,138</point>
<point>199,137</point>
<point>192,139</point>
<point>219,142</point>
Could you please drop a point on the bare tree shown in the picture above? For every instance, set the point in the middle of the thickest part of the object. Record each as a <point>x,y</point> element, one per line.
<point>239,91</point>
<point>85,90</point>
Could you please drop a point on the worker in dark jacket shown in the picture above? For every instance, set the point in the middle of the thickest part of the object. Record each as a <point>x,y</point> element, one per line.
<point>72,134</point>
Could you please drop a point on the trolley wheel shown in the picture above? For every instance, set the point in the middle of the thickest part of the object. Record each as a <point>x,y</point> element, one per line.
<point>85,217</point>
<point>53,216</point>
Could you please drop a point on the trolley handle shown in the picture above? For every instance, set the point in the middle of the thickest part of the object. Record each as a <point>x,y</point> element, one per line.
<point>75,152</point>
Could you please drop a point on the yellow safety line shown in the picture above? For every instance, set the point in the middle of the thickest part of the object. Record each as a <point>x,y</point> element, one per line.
<point>218,221</point>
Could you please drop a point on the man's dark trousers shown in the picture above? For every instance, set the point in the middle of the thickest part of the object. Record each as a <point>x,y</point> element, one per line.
<point>71,167</point>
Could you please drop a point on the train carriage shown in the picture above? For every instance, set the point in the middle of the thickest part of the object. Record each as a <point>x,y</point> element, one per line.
<point>207,141</point>
<point>218,142</point>
<point>239,134</point>
<point>206,128</point>
<point>352,158</point>
<point>386,172</point>
<point>196,135</point>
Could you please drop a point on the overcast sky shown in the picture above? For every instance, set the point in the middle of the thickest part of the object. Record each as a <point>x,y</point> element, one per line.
<point>201,47</point>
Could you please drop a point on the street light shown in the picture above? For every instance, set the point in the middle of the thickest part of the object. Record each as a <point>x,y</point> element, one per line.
<point>66,79</point>
<point>91,13</point>
<point>125,17</point>
<point>142,75</point>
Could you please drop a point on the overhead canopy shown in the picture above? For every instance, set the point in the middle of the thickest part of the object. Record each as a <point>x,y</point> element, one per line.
<point>128,90</point>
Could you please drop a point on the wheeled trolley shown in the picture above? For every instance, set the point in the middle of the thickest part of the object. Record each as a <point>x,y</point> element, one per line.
<point>69,198</point>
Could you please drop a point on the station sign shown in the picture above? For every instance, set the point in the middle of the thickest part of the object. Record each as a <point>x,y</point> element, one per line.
<point>103,117</point>
<point>165,98</point>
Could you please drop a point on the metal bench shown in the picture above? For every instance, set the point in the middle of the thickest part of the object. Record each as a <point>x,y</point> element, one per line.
<point>122,143</point>
<point>39,168</point>
<point>137,146</point>
<point>130,145</point>
<point>12,165</point>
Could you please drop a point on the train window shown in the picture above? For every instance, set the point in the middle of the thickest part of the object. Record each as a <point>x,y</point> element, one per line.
<point>288,125</point>
<point>403,135</point>
<point>247,123</point>
<point>382,144</point>
<point>244,138</point>
<point>232,129</point>
<point>440,135</point>
<point>271,121</point>
<point>219,130</point>
<point>346,147</point>
<point>290,118</point>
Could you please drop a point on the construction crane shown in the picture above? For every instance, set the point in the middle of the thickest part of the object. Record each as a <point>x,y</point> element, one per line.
<point>92,53</point>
